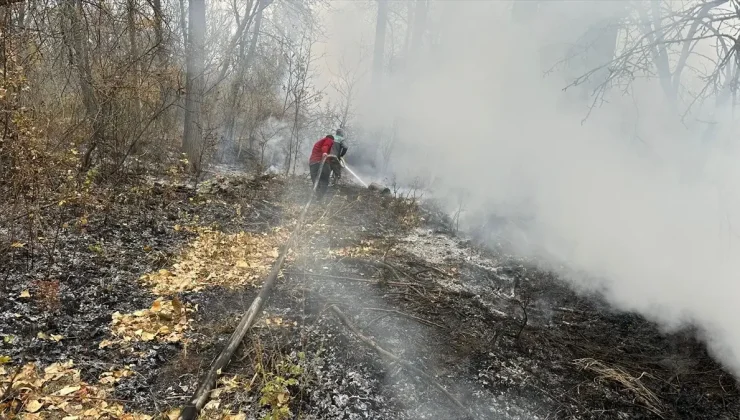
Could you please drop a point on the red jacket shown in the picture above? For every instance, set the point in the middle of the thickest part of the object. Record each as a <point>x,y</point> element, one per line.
<point>322,146</point>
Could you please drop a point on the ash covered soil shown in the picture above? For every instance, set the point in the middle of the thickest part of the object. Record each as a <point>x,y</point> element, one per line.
<point>119,306</point>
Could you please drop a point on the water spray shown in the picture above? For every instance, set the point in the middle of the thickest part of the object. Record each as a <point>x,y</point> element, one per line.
<point>344,165</point>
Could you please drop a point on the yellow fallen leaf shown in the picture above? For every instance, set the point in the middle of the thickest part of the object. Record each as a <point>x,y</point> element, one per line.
<point>240,416</point>
<point>58,367</point>
<point>147,336</point>
<point>242,264</point>
<point>34,406</point>
<point>25,294</point>
<point>4,359</point>
<point>107,380</point>
<point>105,343</point>
<point>56,337</point>
<point>173,414</point>
<point>93,412</point>
<point>157,306</point>
<point>42,336</point>
<point>17,245</point>
<point>68,390</point>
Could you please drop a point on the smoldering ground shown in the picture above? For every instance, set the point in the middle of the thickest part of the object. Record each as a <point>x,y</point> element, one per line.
<point>627,194</point>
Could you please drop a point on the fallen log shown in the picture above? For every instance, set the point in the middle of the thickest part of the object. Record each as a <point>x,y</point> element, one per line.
<point>390,356</point>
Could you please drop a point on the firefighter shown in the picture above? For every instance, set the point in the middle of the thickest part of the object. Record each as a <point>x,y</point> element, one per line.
<point>332,145</point>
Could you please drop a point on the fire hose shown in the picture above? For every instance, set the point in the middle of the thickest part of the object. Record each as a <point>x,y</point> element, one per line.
<point>202,394</point>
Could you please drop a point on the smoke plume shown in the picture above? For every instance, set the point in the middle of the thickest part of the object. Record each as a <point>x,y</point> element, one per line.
<point>634,199</point>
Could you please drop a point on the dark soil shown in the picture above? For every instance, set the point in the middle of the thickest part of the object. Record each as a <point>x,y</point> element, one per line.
<point>507,340</point>
<point>80,275</point>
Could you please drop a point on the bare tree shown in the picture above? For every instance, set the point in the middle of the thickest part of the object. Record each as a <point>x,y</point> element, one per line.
<point>662,42</point>
<point>269,131</point>
<point>115,81</point>
<point>301,97</point>
<point>80,59</point>
<point>346,83</point>
<point>244,57</point>
<point>194,87</point>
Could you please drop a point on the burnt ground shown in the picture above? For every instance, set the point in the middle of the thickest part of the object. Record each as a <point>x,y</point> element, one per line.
<point>505,339</point>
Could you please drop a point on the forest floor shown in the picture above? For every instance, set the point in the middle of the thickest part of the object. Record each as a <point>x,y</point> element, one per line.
<point>117,307</point>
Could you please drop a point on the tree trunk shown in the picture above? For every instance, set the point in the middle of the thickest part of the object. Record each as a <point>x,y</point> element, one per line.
<point>294,137</point>
<point>378,50</point>
<point>159,33</point>
<point>243,67</point>
<point>194,84</point>
<point>164,124</point>
<point>80,61</point>
<point>656,38</point>
<point>134,57</point>
<point>184,24</point>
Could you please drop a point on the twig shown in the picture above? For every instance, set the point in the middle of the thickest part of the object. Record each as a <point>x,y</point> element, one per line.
<point>20,216</point>
<point>10,384</point>
<point>377,264</point>
<point>355,279</point>
<point>393,311</point>
<point>429,268</point>
<point>388,355</point>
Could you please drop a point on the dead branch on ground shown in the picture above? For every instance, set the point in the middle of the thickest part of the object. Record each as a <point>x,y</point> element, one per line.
<point>403,314</point>
<point>352,279</point>
<point>378,264</point>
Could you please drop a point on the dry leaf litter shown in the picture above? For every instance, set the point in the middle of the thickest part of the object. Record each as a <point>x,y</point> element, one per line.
<point>219,259</point>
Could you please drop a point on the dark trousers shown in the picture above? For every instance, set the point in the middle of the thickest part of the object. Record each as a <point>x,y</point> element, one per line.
<point>323,179</point>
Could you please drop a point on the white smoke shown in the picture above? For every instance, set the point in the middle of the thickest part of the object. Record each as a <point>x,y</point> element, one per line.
<point>632,198</point>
